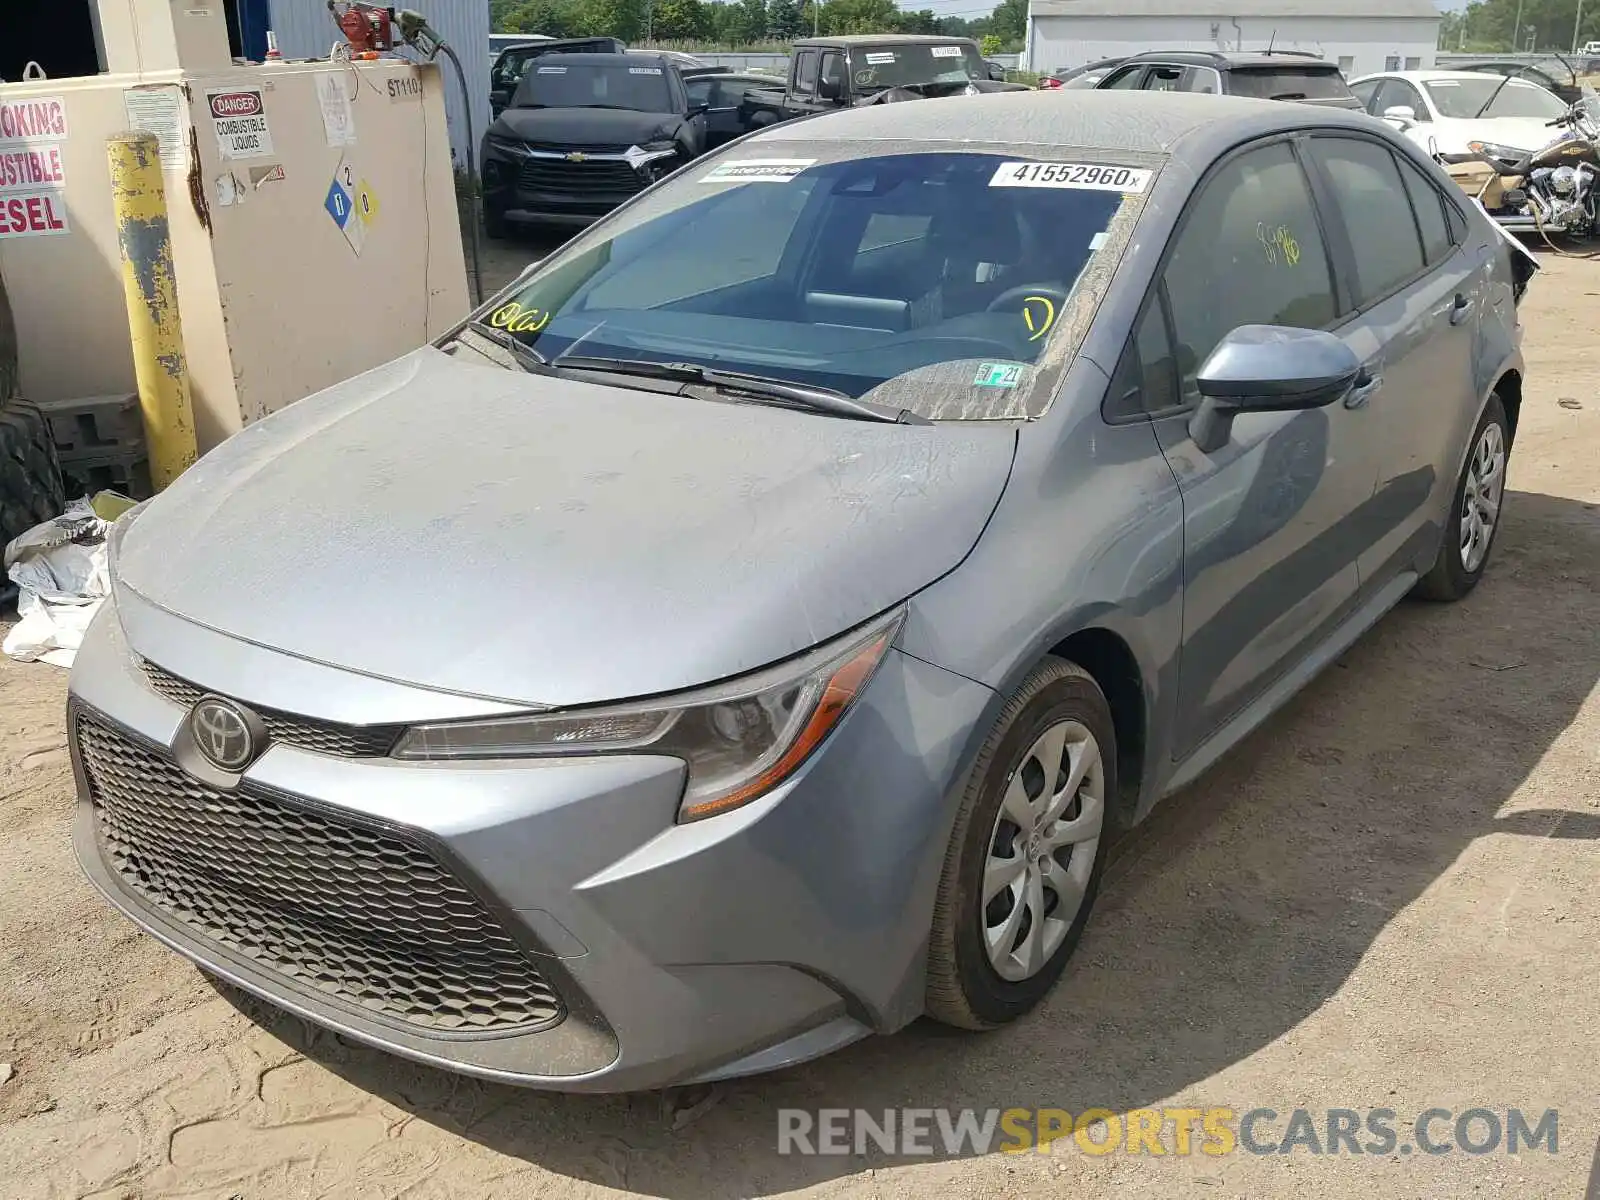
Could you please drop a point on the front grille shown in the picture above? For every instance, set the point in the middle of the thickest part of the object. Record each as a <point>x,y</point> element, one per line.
<point>578,178</point>
<point>367,917</point>
<point>574,148</point>
<point>304,733</point>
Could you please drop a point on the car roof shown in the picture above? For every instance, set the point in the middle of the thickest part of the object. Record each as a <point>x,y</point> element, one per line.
<point>1130,121</point>
<point>604,60</point>
<point>1228,60</point>
<point>881,39</point>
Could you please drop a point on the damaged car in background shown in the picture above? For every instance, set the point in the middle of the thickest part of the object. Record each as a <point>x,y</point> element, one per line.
<point>819,562</point>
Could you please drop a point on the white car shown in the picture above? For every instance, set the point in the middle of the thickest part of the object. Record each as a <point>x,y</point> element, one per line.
<point>1445,111</point>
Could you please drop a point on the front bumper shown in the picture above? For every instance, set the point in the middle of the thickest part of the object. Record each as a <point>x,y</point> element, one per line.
<point>673,953</point>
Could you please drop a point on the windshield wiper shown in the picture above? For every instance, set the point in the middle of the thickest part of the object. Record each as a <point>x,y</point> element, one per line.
<point>819,398</point>
<point>527,357</point>
<point>1494,95</point>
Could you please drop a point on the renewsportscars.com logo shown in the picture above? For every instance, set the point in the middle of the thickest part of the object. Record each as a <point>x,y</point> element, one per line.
<point>1178,1132</point>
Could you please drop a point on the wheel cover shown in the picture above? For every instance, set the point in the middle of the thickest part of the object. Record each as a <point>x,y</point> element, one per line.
<point>1481,494</point>
<point>1042,850</point>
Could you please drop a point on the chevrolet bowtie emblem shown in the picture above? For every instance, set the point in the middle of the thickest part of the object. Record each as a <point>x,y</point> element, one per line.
<point>577,156</point>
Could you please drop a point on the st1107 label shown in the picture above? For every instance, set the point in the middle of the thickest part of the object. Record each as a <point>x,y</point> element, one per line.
<point>1093,177</point>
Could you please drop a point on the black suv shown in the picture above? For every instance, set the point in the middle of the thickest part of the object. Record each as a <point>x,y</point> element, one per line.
<point>1264,75</point>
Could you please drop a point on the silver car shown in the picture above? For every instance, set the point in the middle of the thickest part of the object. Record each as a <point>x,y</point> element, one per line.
<point>748,632</point>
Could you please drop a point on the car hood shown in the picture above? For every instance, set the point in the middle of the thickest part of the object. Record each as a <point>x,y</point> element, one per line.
<point>546,541</point>
<point>584,126</point>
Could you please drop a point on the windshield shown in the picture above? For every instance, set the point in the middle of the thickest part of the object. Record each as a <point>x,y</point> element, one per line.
<point>629,84</point>
<point>903,66</point>
<point>1462,98</point>
<point>1288,83</point>
<point>941,281</point>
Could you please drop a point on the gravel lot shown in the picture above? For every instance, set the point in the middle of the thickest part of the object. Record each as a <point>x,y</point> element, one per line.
<point>1385,899</point>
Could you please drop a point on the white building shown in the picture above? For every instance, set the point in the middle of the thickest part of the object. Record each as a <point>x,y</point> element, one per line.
<point>1362,36</point>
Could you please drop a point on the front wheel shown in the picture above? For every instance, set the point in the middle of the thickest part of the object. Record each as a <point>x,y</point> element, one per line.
<point>1475,510</point>
<point>1026,854</point>
<point>495,223</point>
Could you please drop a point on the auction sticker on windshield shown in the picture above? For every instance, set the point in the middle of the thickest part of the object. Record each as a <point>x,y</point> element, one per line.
<point>644,70</point>
<point>947,51</point>
<point>879,58</point>
<point>757,170</point>
<point>1071,175</point>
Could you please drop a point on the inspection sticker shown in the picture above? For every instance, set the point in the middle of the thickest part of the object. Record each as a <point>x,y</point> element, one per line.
<point>998,375</point>
<point>644,70</point>
<point>946,51</point>
<point>879,59</point>
<point>757,170</point>
<point>1071,175</point>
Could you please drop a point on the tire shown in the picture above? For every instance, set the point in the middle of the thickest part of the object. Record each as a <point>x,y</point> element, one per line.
<point>966,987</point>
<point>495,224</point>
<point>1455,571</point>
<point>31,489</point>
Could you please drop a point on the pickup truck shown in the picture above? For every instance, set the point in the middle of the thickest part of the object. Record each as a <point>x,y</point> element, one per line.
<point>826,73</point>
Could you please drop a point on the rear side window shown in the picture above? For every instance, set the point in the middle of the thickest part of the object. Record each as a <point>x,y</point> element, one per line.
<point>1250,252</point>
<point>1126,78</point>
<point>1367,186</point>
<point>1429,207</point>
<point>1288,83</point>
<point>805,73</point>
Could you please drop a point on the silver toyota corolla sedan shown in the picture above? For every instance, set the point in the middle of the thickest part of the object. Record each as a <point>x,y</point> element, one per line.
<point>749,631</point>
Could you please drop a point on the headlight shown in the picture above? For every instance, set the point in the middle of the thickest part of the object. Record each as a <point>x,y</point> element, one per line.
<point>739,739</point>
<point>1496,150</point>
<point>508,146</point>
<point>639,156</point>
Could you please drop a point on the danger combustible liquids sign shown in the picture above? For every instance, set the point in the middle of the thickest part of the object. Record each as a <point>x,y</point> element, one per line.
<point>32,167</point>
<point>240,119</point>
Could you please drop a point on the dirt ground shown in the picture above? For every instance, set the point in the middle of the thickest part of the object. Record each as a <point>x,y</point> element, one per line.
<point>1386,899</point>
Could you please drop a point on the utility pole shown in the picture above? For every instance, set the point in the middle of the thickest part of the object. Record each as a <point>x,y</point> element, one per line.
<point>1516,29</point>
<point>1577,24</point>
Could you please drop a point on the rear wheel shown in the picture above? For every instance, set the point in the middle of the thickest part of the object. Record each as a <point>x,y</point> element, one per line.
<point>31,490</point>
<point>1474,512</point>
<point>1025,856</point>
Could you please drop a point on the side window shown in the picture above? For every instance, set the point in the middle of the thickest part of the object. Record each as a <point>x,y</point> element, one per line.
<point>833,70</point>
<point>1366,93</point>
<point>1128,77</point>
<point>805,73</point>
<point>1250,252</point>
<point>1429,207</point>
<point>1203,80</point>
<point>1412,99</point>
<point>1371,196</point>
<point>1146,380</point>
<point>700,90</point>
<point>1164,79</point>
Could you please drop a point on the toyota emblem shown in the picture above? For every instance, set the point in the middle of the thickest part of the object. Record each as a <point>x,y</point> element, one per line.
<point>223,734</point>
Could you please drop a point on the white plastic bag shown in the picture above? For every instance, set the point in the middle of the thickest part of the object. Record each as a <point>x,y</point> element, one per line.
<point>60,571</point>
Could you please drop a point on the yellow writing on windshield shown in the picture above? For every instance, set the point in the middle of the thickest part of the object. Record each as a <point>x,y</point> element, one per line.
<point>516,319</point>
<point>1038,314</point>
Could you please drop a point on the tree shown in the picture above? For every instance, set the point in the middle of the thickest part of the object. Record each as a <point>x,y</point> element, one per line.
<point>1009,21</point>
<point>989,46</point>
<point>919,22</point>
<point>554,18</point>
<point>784,23</point>
<point>859,16</point>
<point>752,20</point>
<point>680,20</point>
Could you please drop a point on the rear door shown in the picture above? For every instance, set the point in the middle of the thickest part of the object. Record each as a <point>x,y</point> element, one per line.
<point>1417,295</point>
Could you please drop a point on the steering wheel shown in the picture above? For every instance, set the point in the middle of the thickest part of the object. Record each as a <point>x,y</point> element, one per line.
<point>1053,292</point>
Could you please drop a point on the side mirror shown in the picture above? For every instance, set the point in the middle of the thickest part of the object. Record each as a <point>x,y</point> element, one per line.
<point>498,99</point>
<point>829,88</point>
<point>1402,114</point>
<point>1269,368</point>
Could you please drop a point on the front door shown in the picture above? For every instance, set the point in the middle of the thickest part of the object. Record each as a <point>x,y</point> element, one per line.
<point>1272,532</point>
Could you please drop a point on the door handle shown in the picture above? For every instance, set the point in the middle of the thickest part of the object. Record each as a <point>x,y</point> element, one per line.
<point>1365,387</point>
<point>1462,309</point>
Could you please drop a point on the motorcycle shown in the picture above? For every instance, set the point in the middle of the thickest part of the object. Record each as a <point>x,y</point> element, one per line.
<point>1555,189</point>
